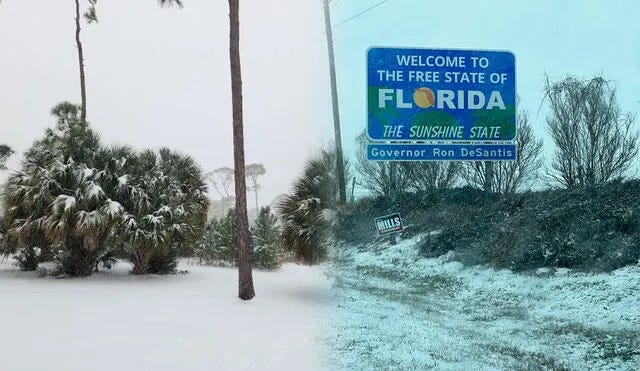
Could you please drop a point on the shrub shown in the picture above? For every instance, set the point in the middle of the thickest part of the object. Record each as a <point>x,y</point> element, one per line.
<point>589,228</point>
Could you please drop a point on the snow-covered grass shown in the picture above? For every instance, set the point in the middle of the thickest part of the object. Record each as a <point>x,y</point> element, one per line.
<point>393,309</point>
<point>116,321</point>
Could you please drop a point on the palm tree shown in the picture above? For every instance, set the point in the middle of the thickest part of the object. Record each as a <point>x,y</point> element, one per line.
<point>168,211</point>
<point>246,291</point>
<point>305,212</point>
<point>60,193</point>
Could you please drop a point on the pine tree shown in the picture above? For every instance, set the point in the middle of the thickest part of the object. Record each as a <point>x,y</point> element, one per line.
<point>267,240</point>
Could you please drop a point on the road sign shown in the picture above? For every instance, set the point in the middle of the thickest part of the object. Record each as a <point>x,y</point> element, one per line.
<point>441,152</point>
<point>388,224</point>
<point>441,95</point>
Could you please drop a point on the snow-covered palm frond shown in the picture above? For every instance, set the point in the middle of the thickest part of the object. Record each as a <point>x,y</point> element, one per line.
<point>56,228</point>
<point>157,221</point>
<point>84,174</point>
<point>164,210</point>
<point>129,222</point>
<point>180,228</point>
<point>102,174</point>
<point>122,182</point>
<point>20,226</point>
<point>89,220</point>
<point>307,205</point>
<point>112,209</point>
<point>19,191</point>
<point>92,190</point>
<point>121,162</point>
<point>63,204</point>
<point>139,235</point>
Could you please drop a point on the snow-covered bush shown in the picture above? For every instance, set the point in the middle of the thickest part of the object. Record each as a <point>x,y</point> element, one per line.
<point>86,202</point>
<point>589,228</point>
<point>168,211</point>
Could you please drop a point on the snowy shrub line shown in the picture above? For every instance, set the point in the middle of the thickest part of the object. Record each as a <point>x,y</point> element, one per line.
<point>589,228</point>
<point>83,204</point>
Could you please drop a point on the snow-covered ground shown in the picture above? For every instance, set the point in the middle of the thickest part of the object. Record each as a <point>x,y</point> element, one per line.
<point>387,308</point>
<point>115,321</point>
<point>392,309</point>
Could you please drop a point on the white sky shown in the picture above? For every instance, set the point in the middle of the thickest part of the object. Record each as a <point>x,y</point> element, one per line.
<point>160,77</point>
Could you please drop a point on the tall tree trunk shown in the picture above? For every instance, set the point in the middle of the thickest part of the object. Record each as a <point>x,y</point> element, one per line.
<point>83,92</point>
<point>246,291</point>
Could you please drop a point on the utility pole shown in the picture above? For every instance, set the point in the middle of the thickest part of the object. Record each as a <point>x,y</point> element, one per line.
<point>334,100</point>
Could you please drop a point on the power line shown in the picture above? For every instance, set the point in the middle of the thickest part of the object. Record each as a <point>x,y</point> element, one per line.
<point>361,13</point>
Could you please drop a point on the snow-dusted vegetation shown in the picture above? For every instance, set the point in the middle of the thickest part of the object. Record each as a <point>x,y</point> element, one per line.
<point>394,309</point>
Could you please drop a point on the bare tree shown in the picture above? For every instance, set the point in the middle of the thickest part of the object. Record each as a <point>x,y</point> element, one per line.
<point>424,175</point>
<point>221,179</point>
<point>245,289</point>
<point>253,172</point>
<point>595,141</point>
<point>375,176</point>
<point>511,176</point>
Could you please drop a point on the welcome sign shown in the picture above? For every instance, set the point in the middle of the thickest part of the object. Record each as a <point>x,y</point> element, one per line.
<point>440,95</point>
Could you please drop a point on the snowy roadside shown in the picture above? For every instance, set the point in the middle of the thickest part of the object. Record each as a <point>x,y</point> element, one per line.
<point>116,321</point>
<point>393,309</point>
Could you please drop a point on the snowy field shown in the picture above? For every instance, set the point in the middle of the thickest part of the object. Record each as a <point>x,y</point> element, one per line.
<point>394,310</point>
<point>115,321</point>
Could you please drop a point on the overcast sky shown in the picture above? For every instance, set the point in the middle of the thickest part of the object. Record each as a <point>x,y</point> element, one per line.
<point>160,77</point>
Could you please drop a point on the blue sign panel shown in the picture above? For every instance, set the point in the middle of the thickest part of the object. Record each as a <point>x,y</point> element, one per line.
<point>441,152</point>
<point>441,95</point>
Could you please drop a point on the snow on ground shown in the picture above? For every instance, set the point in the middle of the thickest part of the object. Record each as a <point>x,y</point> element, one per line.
<point>392,309</point>
<point>115,321</point>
